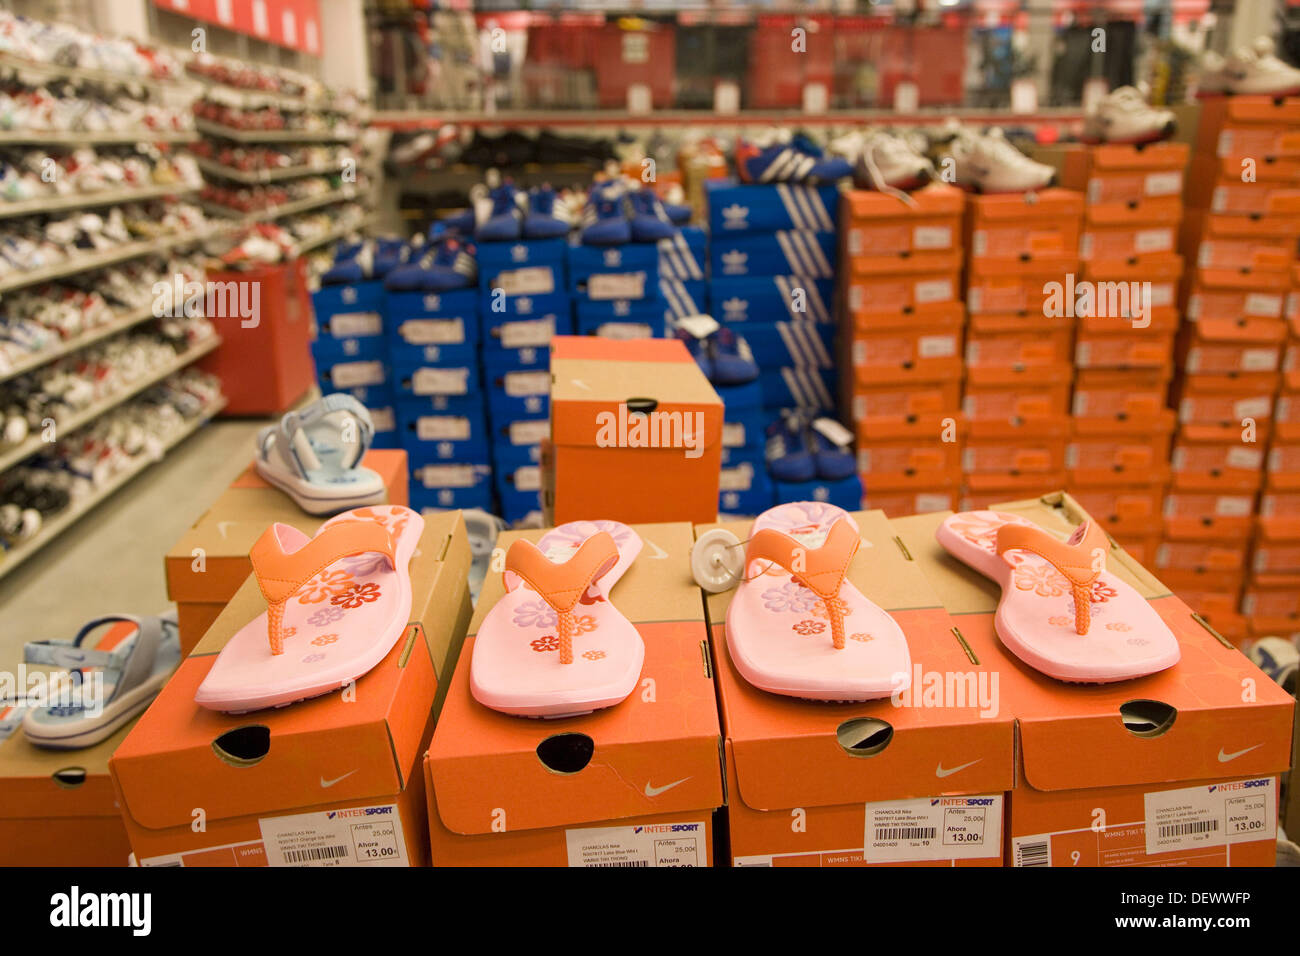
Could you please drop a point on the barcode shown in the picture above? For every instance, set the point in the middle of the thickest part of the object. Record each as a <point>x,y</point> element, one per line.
<point>315,853</point>
<point>905,833</point>
<point>623,863</point>
<point>1184,829</point>
<point>1032,854</point>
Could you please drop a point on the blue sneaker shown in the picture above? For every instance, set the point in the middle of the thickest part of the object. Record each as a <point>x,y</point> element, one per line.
<point>503,223</point>
<point>357,267</point>
<point>540,221</point>
<point>604,221</point>
<point>649,221</point>
<point>832,462</point>
<point>699,352</point>
<point>451,265</point>
<point>788,457</point>
<point>798,161</point>
<point>733,363</point>
<point>459,224</point>
<point>389,254</point>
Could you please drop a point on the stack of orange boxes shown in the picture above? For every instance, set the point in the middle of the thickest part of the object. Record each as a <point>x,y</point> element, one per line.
<point>1243,195</point>
<point>901,321</point>
<point>1121,426</point>
<point>1272,600</point>
<point>1020,336</point>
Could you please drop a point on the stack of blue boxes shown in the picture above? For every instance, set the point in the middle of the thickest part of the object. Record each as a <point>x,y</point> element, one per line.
<point>683,266</point>
<point>433,341</point>
<point>525,301</point>
<point>616,291</point>
<point>772,254</point>
<point>351,352</point>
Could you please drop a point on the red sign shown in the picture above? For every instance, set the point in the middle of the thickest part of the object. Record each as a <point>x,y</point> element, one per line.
<point>289,23</point>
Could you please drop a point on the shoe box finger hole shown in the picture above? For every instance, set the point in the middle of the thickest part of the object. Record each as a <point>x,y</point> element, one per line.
<point>69,778</point>
<point>864,736</point>
<point>566,753</point>
<point>243,746</point>
<point>1147,718</point>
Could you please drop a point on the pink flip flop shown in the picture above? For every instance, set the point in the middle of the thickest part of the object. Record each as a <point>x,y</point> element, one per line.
<point>1061,612</point>
<point>796,627</point>
<point>554,646</point>
<point>336,605</point>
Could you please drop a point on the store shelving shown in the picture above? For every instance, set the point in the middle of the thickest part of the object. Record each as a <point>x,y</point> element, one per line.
<point>285,208</point>
<point>337,232</point>
<point>259,176</point>
<point>36,359</point>
<point>35,443</point>
<point>73,138</point>
<point>105,197</point>
<point>55,526</point>
<point>274,135</point>
<point>11,65</point>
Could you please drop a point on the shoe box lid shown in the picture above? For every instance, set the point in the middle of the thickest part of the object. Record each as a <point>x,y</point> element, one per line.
<point>487,770</point>
<point>762,207</point>
<point>789,752</point>
<point>1255,109</point>
<point>1075,737</point>
<point>1051,203</point>
<point>179,757</point>
<point>350,298</point>
<point>1153,156</point>
<point>1244,277</point>
<point>497,257</point>
<point>933,201</point>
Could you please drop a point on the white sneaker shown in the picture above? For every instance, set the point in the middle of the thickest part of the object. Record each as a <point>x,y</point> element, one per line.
<point>1255,69</point>
<point>889,163</point>
<point>988,163</point>
<point>1123,116</point>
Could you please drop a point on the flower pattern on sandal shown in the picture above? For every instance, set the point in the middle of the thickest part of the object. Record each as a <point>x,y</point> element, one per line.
<point>791,597</point>
<point>543,644</point>
<point>324,586</point>
<point>808,628</point>
<point>534,614</point>
<point>357,595</point>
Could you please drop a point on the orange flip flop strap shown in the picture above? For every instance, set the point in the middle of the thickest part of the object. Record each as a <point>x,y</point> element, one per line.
<point>820,570</point>
<point>281,574</point>
<point>1076,561</point>
<point>561,585</point>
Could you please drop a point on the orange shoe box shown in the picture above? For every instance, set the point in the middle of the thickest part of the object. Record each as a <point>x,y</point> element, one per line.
<point>1225,560</point>
<point>1119,394</point>
<point>1263,300</point>
<point>208,564</point>
<point>1130,773</point>
<point>883,225</point>
<point>1255,199</point>
<point>1161,269</point>
<point>57,807</point>
<point>1253,254</point>
<point>1284,464</point>
<point>1015,342</point>
<point>1125,351</point>
<point>1124,242</point>
<point>911,349</point>
<point>636,430</point>
<point>636,784</point>
<point>1133,185</point>
<point>1135,504</point>
<point>889,404</point>
<point>982,490</point>
<point>1224,519</point>
<point>879,298</point>
<point>1028,294</point>
<point>897,504</point>
<point>1141,539</point>
<point>1013,240</point>
<point>1003,401</point>
<point>1273,604</point>
<point>1202,460</point>
<point>1277,546</point>
<point>925,447</point>
<point>1042,208</point>
<point>1102,450</point>
<point>1225,407</point>
<point>800,772</point>
<point>1034,446</point>
<point>334,780</point>
<point>1262,142</point>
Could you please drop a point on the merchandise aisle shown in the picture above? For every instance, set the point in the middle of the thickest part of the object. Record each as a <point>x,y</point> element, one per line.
<point>876,469</point>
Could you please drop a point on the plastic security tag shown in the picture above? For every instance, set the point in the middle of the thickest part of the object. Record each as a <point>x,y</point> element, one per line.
<point>833,432</point>
<point>700,326</point>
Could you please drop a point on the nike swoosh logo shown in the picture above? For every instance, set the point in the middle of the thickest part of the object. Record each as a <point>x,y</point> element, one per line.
<point>222,526</point>
<point>655,791</point>
<point>326,784</point>
<point>582,385</point>
<point>940,772</point>
<point>659,554</point>
<point>1224,758</point>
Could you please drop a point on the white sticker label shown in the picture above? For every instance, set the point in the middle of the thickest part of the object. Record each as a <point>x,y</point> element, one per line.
<point>535,280</point>
<point>933,828</point>
<point>351,325</point>
<point>1164,184</point>
<point>834,432</point>
<point>528,478</point>
<point>530,432</point>
<point>937,501</point>
<point>932,237</point>
<point>602,286</point>
<point>1033,850</point>
<point>383,419</point>
<point>442,428</point>
<point>1154,240</point>
<point>1210,815</point>
<point>733,435</point>
<point>934,290</point>
<point>432,331</point>
<point>354,374</point>
<point>1251,458</point>
<point>625,330</point>
<point>1252,408</point>
<point>519,384</point>
<point>533,333</point>
<point>447,476</point>
<point>440,381</point>
<point>1259,360</point>
<point>1263,304</point>
<point>360,836</point>
<point>740,478</point>
<point>1233,506</point>
<point>1162,294</point>
<point>937,346</point>
<point>656,844</point>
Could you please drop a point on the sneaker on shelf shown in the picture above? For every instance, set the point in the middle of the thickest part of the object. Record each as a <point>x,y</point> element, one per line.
<point>545,218</point>
<point>699,351</point>
<point>890,163</point>
<point>450,265</point>
<point>675,205</point>
<point>649,220</point>
<point>988,163</point>
<point>1257,70</point>
<point>733,363</point>
<point>389,254</point>
<point>356,268</point>
<point>604,222</point>
<point>787,452</point>
<point>778,157</point>
<point>1124,116</point>
<point>504,222</point>
<point>833,462</point>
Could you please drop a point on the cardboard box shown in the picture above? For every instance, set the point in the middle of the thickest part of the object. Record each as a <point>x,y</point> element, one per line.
<point>1142,772</point>
<point>334,780</point>
<point>912,349</point>
<point>1004,400</point>
<point>637,432</point>
<point>980,490</point>
<point>877,299</point>
<point>1034,446</point>
<point>208,564</point>
<point>800,795</point>
<point>653,780</point>
<point>887,404</point>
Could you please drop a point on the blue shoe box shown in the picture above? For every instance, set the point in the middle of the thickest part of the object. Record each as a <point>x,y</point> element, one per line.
<point>846,493</point>
<point>751,454</point>
<point>497,257</point>
<point>516,394</point>
<point>792,252</point>
<point>811,389</point>
<point>616,265</point>
<point>519,505</point>
<point>327,350</point>
<point>384,418</point>
<point>546,317</point>
<point>685,255</point>
<point>427,355</point>
<point>521,434</point>
<point>683,298</point>
<point>458,434</point>
<point>445,486</point>
<point>744,491</point>
<point>738,208</point>
<point>417,320</point>
<point>357,297</point>
<point>346,376</point>
<point>744,422</point>
<point>423,381</point>
<point>622,318</point>
<point>794,344</point>
<point>793,297</point>
<point>517,475</point>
